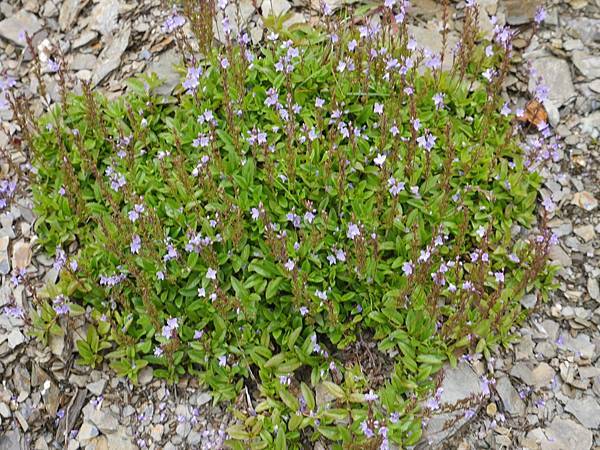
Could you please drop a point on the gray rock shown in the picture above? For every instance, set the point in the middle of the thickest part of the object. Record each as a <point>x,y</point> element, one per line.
<point>519,12</point>
<point>69,11</point>
<point>561,435</point>
<point>84,39</point>
<point>557,76</point>
<point>183,429</point>
<point>87,431</point>
<point>595,86</point>
<point>580,345</point>
<point>586,28</point>
<point>588,65</point>
<point>13,26</point>
<point>12,440</point>
<point>194,438</point>
<point>529,301</point>
<point>203,398</point>
<point>165,70</point>
<point>593,288</point>
<point>97,387</point>
<point>275,7</point>
<point>120,441</point>
<point>105,16</point>
<point>15,338</point>
<point>459,385</point>
<point>105,421</point>
<point>21,255</point>
<point>5,411</point>
<point>591,125</point>
<point>429,38</point>
<point>110,57</point>
<point>510,397</point>
<point>585,410</point>
<point>558,255</point>
<point>4,262</point>
<point>539,377</point>
<point>145,376</point>
<point>238,13</point>
<point>83,61</point>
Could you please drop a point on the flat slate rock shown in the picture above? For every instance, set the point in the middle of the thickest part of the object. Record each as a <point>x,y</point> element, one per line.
<point>23,21</point>
<point>459,384</point>
<point>557,76</point>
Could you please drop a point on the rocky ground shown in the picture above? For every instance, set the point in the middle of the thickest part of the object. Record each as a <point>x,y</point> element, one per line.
<point>546,388</point>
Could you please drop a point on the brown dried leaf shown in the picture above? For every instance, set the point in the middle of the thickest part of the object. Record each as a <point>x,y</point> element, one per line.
<point>534,113</point>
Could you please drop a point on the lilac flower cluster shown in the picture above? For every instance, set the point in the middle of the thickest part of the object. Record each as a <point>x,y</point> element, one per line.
<point>173,22</point>
<point>112,280</point>
<point>59,304</point>
<point>117,180</point>
<point>7,189</point>
<point>171,326</point>
<point>6,83</point>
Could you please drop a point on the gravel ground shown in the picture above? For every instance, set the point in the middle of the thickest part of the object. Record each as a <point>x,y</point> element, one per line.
<point>546,389</point>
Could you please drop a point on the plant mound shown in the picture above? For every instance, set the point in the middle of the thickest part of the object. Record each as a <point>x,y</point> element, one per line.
<point>288,205</point>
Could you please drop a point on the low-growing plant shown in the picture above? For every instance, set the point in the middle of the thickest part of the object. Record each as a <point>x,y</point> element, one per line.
<point>290,205</point>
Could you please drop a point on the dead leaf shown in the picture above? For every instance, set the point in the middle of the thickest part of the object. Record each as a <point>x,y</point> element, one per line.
<point>534,113</point>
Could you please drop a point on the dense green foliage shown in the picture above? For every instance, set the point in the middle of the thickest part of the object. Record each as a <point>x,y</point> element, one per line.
<point>206,247</point>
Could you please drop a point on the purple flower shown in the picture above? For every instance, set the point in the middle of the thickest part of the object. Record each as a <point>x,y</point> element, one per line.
<point>499,277</point>
<point>303,311</point>
<point>158,351</point>
<point>485,386</point>
<point>112,280</point>
<point>53,66</point>
<point>173,22</point>
<point>60,259</point>
<point>408,268</point>
<point>171,253</point>
<point>380,159</point>
<point>438,100</point>
<point>548,204</point>
<point>321,294</point>
<point>192,79</point>
<point>395,186</point>
<point>160,275</point>
<point>489,74</point>
<point>222,360</point>
<point>224,63</point>
<point>433,404</point>
<point>540,15</point>
<point>541,93</point>
<point>469,413</point>
<point>170,327</point>
<point>416,123</point>
<point>289,265</point>
<point>371,396</point>
<point>211,274</point>
<point>60,306</point>
<point>319,102</point>
<point>353,231</point>
<point>198,334</point>
<point>136,244</point>
<point>427,141</point>
<point>368,432</point>
<point>378,108</point>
